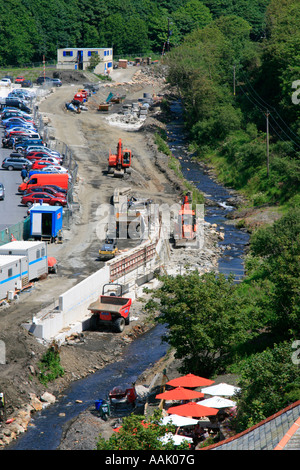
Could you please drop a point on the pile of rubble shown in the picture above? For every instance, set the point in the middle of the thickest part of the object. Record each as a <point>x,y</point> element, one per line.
<point>19,423</point>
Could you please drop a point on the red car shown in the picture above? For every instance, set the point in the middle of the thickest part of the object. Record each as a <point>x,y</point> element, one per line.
<point>41,156</point>
<point>39,164</point>
<point>19,79</point>
<point>47,198</point>
<point>45,189</point>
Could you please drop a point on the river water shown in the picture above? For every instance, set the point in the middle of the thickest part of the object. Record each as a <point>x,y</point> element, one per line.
<point>47,425</point>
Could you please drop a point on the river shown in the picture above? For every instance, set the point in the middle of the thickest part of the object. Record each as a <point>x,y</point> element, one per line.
<point>47,425</point>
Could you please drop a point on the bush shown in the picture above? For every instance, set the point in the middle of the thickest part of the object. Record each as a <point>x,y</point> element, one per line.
<point>50,367</point>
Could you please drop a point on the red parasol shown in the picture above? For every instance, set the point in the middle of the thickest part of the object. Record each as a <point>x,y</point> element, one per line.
<point>179,393</point>
<point>190,380</point>
<point>192,409</point>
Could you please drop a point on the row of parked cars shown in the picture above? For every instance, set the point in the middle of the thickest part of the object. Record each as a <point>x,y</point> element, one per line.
<point>31,153</point>
<point>25,83</point>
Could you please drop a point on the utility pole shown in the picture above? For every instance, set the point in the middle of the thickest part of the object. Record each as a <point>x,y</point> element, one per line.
<point>234,80</point>
<point>268,156</point>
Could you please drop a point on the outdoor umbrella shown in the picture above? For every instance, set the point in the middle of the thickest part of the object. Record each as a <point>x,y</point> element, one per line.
<point>221,389</point>
<point>217,402</point>
<point>176,438</point>
<point>190,380</point>
<point>179,421</point>
<point>179,393</point>
<point>192,409</point>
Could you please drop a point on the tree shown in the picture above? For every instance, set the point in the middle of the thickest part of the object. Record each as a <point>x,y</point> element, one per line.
<point>203,319</point>
<point>278,247</point>
<point>269,382</point>
<point>140,433</point>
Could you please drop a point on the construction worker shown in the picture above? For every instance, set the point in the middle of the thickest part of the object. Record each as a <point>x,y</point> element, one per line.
<point>2,407</point>
<point>24,173</point>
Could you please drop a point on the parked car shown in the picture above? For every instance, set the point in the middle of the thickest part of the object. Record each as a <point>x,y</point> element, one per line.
<point>24,145</point>
<point>45,189</point>
<point>27,84</point>
<point>17,120</point>
<point>19,79</point>
<point>5,82</point>
<point>56,82</point>
<point>56,169</point>
<point>11,141</point>
<point>47,198</point>
<point>44,149</point>
<point>15,163</point>
<point>40,164</point>
<point>2,192</point>
<point>38,156</point>
<point>22,92</point>
<point>31,133</point>
<point>16,102</point>
<point>16,114</point>
<point>41,80</point>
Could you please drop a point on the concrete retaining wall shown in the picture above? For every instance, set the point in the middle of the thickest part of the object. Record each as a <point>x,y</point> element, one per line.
<point>72,314</point>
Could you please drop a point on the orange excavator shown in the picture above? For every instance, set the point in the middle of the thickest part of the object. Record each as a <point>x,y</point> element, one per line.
<point>119,163</point>
<point>185,228</point>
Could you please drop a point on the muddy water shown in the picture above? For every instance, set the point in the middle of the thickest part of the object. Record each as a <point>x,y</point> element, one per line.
<point>46,432</point>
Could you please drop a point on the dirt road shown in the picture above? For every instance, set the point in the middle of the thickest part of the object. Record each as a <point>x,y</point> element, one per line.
<point>90,136</point>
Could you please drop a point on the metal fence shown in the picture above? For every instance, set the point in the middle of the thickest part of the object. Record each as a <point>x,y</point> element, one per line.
<point>19,231</point>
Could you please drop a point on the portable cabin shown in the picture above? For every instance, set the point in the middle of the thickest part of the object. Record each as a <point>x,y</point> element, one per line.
<point>36,253</point>
<point>46,222</point>
<point>13,274</point>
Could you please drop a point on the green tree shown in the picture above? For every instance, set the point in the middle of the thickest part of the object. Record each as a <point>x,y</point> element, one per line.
<point>278,248</point>
<point>203,319</point>
<point>269,382</point>
<point>140,433</point>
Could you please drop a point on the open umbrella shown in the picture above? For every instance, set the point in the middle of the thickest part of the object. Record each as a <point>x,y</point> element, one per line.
<point>179,421</point>
<point>217,402</point>
<point>190,380</point>
<point>176,438</point>
<point>179,393</point>
<point>221,389</point>
<point>192,409</point>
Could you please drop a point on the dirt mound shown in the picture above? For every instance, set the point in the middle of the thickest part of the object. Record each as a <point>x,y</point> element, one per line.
<point>68,76</point>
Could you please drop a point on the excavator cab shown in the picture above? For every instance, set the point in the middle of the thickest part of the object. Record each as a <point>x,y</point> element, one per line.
<point>119,163</point>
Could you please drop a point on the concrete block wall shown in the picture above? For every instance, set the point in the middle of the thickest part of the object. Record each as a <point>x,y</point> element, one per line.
<point>72,314</point>
<point>74,302</point>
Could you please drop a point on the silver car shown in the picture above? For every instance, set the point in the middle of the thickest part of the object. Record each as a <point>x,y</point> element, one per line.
<point>2,191</point>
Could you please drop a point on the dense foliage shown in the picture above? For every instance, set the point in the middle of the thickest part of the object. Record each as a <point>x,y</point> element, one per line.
<point>30,28</point>
<point>216,325</point>
<point>231,80</point>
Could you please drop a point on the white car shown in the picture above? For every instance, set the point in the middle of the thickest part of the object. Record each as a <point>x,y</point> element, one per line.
<point>55,169</point>
<point>50,160</point>
<point>5,82</point>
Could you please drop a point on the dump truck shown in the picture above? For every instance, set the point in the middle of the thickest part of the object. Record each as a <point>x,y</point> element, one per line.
<point>111,309</point>
<point>109,249</point>
<point>119,163</point>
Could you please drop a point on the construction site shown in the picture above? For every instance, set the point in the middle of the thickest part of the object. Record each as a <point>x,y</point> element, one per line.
<point>121,170</point>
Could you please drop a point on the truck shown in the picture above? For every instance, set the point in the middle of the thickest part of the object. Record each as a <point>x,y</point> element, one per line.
<point>111,309</point>
<point>45,179</point>
<point>119,163</point>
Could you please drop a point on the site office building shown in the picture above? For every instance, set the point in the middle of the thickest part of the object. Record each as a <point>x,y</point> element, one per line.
<point>72,58</point>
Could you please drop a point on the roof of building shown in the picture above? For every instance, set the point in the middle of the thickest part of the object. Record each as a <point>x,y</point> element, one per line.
<point>280,431</point>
